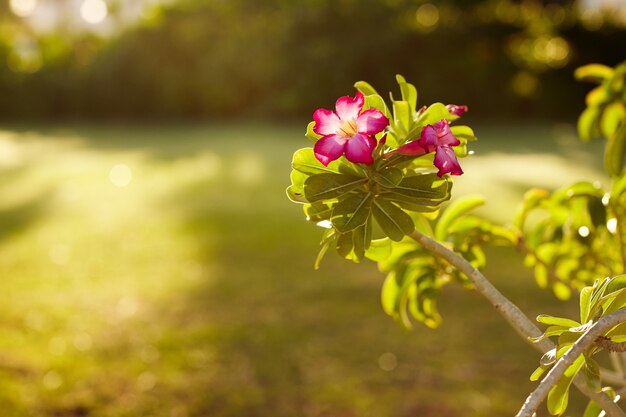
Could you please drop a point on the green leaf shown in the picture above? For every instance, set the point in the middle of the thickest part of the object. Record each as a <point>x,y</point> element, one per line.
<point>557,321</point>
<point>345,244</point>
<point>598,97</point>
<point>533,198</point>
<point>388,177</point>
<point>328,240</point>
<point>615,150</point>
<point>538,372</point>
<point>402,117</point>
<point>409,93</point>
<point>365,88</point>
<point>310,133</point>
<point>318,211</point>
<point>379,249</point>
<point>463,133</point>
<point>612,116</point>
<point>352,212</point>
<point>550,331</point>
<point>376,102</point>
<point>591,371</point>
<point>592,410</point>
<point>585,303</point>
<point>304,161</point>
<point>394,222</point>
<point>455,210</point>
<point>295,191</point>
<point>389,293</point>
<point>361,238</point>
<point>559,394</point>
<point>327,186</point>
<point>435,113</point>
<point>424,186</point>
<point>541,275</point>
<point>588,123</point>
<point>593,72</point>
<point>561,291</point>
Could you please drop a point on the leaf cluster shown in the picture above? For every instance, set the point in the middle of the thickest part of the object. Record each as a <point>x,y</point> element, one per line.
<point>602,298</point>
<point>356,202</point>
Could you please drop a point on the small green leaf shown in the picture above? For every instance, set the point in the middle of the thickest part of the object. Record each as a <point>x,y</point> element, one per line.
<point>612,116</point>
<point>588,123</point>
<point>327,186</point>
<point>557,321</point>
<point>592,410</point>
<point>408,91</point>
<point>550,331</point>
<point>310,133</point>
<point>379,249</point>
<point>365,88</point>
<point>463,132</point>
<point>394,222</point>
<point>585,303</point>
<point>295,191</point>
<point>435,113</point>
<point>561,291</point>
<point>345,244</point>
<point>388,177</point>
<point>615,150</point>
<point>591,371</point>
<point>455,210</point>
<point>375,101</point>
<point>538,372</point>
<point>402,117</point>
<point>389,294</point>
<point>533,198</point>
<point>318,211</point>
<point>352,212</point>
<point>304,161</point>
<point>593,72</point>
<point>559,394</point>
<point>361,238</point>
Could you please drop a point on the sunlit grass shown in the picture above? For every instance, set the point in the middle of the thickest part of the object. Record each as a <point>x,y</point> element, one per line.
<point>162,272</point>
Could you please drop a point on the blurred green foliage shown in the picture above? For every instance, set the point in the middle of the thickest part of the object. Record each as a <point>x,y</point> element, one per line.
<point>243,58</point>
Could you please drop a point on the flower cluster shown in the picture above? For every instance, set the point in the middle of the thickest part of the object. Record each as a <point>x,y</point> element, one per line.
<point>436,138</point>
<point>350,131</point>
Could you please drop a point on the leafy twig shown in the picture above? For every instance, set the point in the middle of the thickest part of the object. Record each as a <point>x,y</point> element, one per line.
<point>511,313</point>
<point>590,337</point>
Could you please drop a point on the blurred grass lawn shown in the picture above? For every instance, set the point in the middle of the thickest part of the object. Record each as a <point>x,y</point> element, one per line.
<point>163,272</point>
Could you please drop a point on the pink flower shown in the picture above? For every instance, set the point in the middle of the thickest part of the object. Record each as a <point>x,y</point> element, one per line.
<point>456,110</point>
<point>436,138</point>
<point>348,130</point>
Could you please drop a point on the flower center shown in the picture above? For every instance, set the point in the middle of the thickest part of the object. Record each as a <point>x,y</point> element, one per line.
<point>348,128</point>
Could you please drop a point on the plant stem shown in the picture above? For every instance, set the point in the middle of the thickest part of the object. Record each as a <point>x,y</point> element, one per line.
<point>582,344</point>
<point>511,313</point>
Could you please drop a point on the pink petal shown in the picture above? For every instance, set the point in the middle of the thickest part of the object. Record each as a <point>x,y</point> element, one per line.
<point>446,161</point>
<point>371,121</point>
<point>329,148</point>
<point>359,149</point>
<point>326,122</point>
<point>444,136</point>
<point>456,110</point>
<point>348,107</point>
<point>411,148</point>
<point>428,138</point>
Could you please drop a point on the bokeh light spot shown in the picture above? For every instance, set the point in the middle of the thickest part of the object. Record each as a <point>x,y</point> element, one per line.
<point>23,8</point>
<point>387,361</point>
<point>52,380</point>
<point>94,11</point>
<point>57,346</point>
<point>427,16</point>
<point>583,231</point>
<point>524,84</point>
<point>121,175</point>
<point>611,225</point>
<point>82,341</point>
<point>146,381</point>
